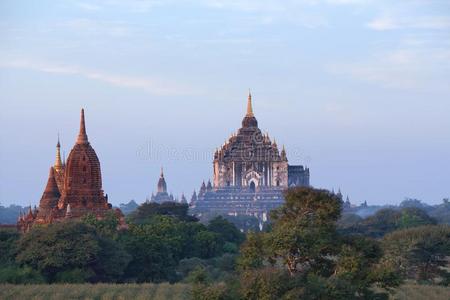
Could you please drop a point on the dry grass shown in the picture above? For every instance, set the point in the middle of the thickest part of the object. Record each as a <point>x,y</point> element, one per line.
<point>167,291</point>
<point>96,291</point>
<point>421,292</point>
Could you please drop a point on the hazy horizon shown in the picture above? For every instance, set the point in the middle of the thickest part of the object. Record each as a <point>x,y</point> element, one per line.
<point>357,90</point>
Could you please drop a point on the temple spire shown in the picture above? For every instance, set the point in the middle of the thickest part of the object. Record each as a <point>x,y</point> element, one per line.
<point>249,105</point>
<point>58,163</point>
<point>162,186</point>
<point>82,136</point>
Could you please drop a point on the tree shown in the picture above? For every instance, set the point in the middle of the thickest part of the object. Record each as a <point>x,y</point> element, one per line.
<point>149,209</point>
<point>305,257</point>
<point>20,275</point>
<point>382,222</point>
<point>409,202</point>
<point>66,246</point>
<point>304,229</point>
<point>226,230</point>
<point>155,248</point>
<point>413,217</point>
<point>388,220</point>
<point>8,239</point>
<point>207,244</point>
<point>419,253</point>
<point>106,227</point>
<point>252,252</point>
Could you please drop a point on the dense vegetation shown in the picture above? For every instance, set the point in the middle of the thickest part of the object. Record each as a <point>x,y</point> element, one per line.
<point>160,239</point>
<point>310,250</point>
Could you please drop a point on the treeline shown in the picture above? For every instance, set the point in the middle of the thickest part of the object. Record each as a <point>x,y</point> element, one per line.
<point>309,250</point>
<point>162,243</point>
<point>384,221</point>
<point>9,214</point>
<point>439,212</point>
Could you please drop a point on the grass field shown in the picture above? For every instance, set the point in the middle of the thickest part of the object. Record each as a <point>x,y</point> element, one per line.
<point>421,292</point>
<point>166,291</point>
<point>96,291</point>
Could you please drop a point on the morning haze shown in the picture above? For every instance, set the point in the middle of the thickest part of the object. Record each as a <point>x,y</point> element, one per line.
<point>355,90</point>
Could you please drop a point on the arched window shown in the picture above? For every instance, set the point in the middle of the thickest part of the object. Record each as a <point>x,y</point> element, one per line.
<point>278,183</point>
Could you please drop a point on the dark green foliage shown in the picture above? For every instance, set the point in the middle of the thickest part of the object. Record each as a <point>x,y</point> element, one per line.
<point>265,284</point>
<point>413,217</point>
<point>419,253</point>
<point>74,276</point>
<point>217,291</point>
<point>150,209</point>
<point>243,223</point>
<point>58,247</point>
<point>198,276</point>
<point>388,220</point>
<point>303,256</point>
<point>226,230</point>
<point>215,269</point>
<point>207,244</point>
<point>159,243</point>
<point>252,252</point>
<point>230,248</point>
<point>20,275</point>
<point>347,222</point>
<point>106,227</point>
<point>8,239</point>
<point>155,251</point>
<point>111,263</point>
<point>303,232</point>
<point>67,246</point>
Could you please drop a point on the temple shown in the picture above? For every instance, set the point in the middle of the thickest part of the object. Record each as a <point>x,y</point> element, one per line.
<point>74,188</point>
<point>161,191</point>
<point>250,174</point>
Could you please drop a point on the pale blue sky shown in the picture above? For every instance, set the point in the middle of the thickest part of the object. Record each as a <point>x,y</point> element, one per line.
<point>357,90</point>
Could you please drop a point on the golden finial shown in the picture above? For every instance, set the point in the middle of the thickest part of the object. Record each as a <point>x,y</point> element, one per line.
<point>249,105</point>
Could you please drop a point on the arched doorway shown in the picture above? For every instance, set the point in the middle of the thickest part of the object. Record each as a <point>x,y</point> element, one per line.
<point>252,187</point>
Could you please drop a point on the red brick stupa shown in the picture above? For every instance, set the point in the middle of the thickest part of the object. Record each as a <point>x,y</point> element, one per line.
<point>74,188</point>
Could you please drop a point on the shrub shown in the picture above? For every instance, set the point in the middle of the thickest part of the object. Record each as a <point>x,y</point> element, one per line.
<point>74,276</point>
<point>217,291</point>
<point>20,275</point>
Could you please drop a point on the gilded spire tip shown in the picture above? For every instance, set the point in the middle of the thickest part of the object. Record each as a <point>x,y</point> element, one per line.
<point>249,105</point>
